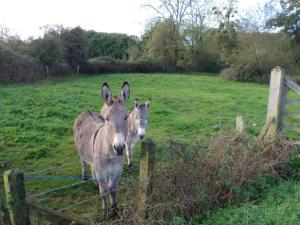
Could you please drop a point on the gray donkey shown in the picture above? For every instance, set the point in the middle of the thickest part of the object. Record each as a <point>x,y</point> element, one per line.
<point>100,142</point>
<point>137,125</point>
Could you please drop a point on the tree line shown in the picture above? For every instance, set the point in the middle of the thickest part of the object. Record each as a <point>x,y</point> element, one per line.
<point>185,35</point>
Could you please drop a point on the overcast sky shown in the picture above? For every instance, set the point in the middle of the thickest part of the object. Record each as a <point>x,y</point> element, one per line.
<point>25,17</point>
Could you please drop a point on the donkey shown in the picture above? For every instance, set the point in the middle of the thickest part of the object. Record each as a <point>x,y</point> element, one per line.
<point>137,125</point>
<point>100,142</point>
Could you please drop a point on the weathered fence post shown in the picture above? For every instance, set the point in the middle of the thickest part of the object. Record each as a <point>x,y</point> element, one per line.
<point>4,220</point>
<point>240,124</point>
<point>146,172</point>
<point>16,197</point>
<point>277,96</point>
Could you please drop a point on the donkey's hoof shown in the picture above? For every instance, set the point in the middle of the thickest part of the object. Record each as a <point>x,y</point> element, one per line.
<point>130,167</point>
<point>115,210</point>
<point>104,213</point>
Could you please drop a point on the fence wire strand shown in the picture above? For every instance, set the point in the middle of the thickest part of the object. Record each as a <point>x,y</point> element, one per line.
<point>58,189</point>
<point>54,167</point>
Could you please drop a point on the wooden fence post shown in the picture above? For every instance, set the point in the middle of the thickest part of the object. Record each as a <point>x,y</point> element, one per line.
<point>16,197</point>
<point>240,124</point>
<point>4,220</point>
<point>277,96</point>
<point>147,160</point>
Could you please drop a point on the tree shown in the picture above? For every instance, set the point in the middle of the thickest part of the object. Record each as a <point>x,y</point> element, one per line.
<point>288,18</point>
<point>110,44</point>
<point>176,13</point>
<point>259,54</point>
<point>255,19</point>
<point>163,44</point>
<point>203,54</point>
<point>176,10</point>
<point>228,39</point>
<point>75,44</point>
<point>48,50</point>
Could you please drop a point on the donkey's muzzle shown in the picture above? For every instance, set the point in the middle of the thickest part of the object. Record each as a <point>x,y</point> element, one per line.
<point>142,137</point>
<point>119,149</point>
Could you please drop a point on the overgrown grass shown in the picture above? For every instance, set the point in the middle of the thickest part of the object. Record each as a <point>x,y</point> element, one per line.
<point>36,122</point>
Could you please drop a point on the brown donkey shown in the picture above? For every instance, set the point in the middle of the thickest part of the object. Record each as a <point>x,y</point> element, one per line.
<point>100,142</point>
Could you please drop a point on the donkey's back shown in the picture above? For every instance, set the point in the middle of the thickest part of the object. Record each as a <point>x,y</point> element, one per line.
<point>85,130</point>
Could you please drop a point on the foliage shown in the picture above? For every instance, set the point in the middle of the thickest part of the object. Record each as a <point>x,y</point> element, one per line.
<point>18,68</point>
<point>233,168</point>
<point>112,65</point>
<point>165,43</point>
<point>258,55</point>
<point>288,18</point>
<point>47,49</point>
<point>75,45</point>
<point>202,51</point>
<point>113,45</point>
<point>227,31</point>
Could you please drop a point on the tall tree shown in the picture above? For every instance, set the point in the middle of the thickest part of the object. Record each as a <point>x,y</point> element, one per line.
<point>48,50</point>
<point>175,13</point>
<point>163,44</point>
<point>288,18</point>
<point>75,45</point>
<point>176,10</point>
<point>228,38</point>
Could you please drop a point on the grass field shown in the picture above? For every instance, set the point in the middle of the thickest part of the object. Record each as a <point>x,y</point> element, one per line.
<point>36,133</point>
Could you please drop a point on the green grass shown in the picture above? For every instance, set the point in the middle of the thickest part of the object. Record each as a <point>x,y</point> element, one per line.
<point>36,122</point>
<point>279,206</point>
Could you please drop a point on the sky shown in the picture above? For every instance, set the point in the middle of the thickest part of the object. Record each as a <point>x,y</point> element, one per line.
<point>25,17</point>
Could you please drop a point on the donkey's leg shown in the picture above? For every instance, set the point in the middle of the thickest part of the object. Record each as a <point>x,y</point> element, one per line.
<point>128,154</point>
<point>84,169</point>
<point>102,180</point>
<point>94,177</point>
<point>113,187</point>
<point>104,193</point>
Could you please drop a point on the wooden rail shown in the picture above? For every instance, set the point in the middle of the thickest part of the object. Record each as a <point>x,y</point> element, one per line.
<point>293,102</point>
<point>51,215</point>
<point>280,84</point>
<point>292,84</point>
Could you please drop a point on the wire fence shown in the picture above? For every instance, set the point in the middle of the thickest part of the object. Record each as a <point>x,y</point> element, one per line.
<point>128,180</point>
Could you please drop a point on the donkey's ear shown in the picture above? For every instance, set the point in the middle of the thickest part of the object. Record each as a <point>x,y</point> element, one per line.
<point>148,103</point>
<point>136,103</point>
<point>106,93</point>
<point>125,92</point>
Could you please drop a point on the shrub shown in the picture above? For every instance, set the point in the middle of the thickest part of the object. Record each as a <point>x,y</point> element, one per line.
<point>259,53</point>
<point>18,68</point>
<point>59,69</point>
<point>199,178</point>
<point>111,65</point>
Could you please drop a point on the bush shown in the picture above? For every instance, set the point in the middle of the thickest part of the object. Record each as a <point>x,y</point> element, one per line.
<point>201,178</point>
<point>259,53</point>
<point>111,65</point>
<point>18,68</point>
<point>59,69</point>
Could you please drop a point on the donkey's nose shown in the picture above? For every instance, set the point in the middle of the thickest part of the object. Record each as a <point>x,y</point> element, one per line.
<point>119,149</point>
<point>142,136</point>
